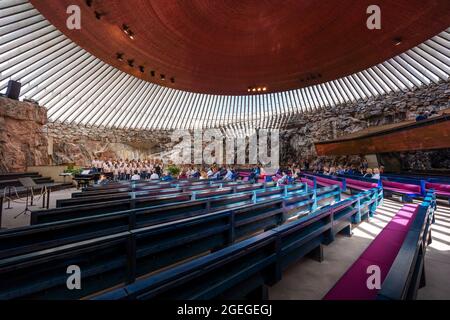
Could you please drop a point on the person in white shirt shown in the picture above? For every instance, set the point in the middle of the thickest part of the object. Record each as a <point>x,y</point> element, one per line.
<point>228,175</point>
<point>154,176</point>
<point>135,176</point>
<point>376,174</point>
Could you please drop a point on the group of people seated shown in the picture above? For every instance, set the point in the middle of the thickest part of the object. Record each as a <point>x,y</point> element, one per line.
<point>154,169</point>
<point>124,169</point>
<point>364,171</point>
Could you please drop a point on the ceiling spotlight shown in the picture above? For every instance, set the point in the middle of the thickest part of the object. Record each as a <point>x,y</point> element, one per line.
<point>397,41</point>
<point>130,34</point>
<point>264,89</point>
<point>253,89</point>
<point>98,15</point>
<point>259,89</point>
<point>163,77</point>
<point>172,80</point>
<point>119,56</point>
<point>126,29</point>
<point>249,89</point>
<point>152,73</point>
<point>142,69</point>
<point>130,62</point>
<point>89,3</point>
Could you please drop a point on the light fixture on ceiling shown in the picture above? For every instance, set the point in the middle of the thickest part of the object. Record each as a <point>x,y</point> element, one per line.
<point>152,73</point>
<point>163,77</point>
<point>89,3</point>
<point>257,89</point>
<point>172,80</point>
<point>130,62</point>
<point>126,29</point>
<point>119,56</point>
<point>141,69</point>
<point>398,41</point>
<point>98,15</point>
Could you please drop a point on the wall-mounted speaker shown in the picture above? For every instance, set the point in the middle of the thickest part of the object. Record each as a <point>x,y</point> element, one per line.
<point>13,91</point>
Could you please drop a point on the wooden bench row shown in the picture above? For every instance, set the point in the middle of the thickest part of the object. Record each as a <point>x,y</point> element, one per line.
<point>245,269</point>
<point>158,183</point>
<point>159,186</point>
<point>121,257</point>
<point>27,239</point>
<point>198,190</point>
<point>90,209</point>
<point>398,252</point>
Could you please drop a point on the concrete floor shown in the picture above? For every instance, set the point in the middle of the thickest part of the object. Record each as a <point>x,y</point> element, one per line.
<point>18,205</point>
<point>309,279</point>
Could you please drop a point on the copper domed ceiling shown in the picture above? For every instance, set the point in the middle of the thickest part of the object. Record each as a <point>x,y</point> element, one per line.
<point>79,88</point>
<point>228,46</point>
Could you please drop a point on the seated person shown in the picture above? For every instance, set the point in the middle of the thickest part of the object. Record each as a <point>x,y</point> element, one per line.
<point>332,171</point>
<point>369,173</point>
<point>421,116</point>
<point>203,175</point>
<point>255,174</point>
<point>182,175</point>
<point>154,176</point>
<point>284,180</point>
<point>102,180</point>
<point>167,176</point>
<point>376,174</point>
<point>136,176</point>
<point>228,175</point>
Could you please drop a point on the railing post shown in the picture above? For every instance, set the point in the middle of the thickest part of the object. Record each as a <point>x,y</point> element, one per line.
<point>314,206</point>
<point>285,191</point>
<point>358,215</point>
<point>49,190</point>
<point>194,195</point>
<point>9,198</point>
<point>131,259</point>
<point>231,231</point>
<point>133,200</point>
<point>1,210</point>
<point>254,197</point>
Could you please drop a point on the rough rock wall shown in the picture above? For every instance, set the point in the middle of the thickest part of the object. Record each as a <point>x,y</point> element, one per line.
<point>334,122</point>
<point>22,140</point>
<point>79,144</point>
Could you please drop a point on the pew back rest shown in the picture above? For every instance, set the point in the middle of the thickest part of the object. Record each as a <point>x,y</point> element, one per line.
<point>438,186</point>
<point>403,186</point>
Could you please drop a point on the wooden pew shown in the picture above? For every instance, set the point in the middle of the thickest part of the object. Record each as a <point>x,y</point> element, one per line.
<point>143,193</point>
<point>242,270</point>
<point>398,251</point>
<point>89,209</point>
<point>27,239</point>
<point>122,257</point>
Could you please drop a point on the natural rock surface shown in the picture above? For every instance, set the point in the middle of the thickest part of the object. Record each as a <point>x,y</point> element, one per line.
<point>80,144</point>
<point>333,122</point>
<point>22,140</point>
